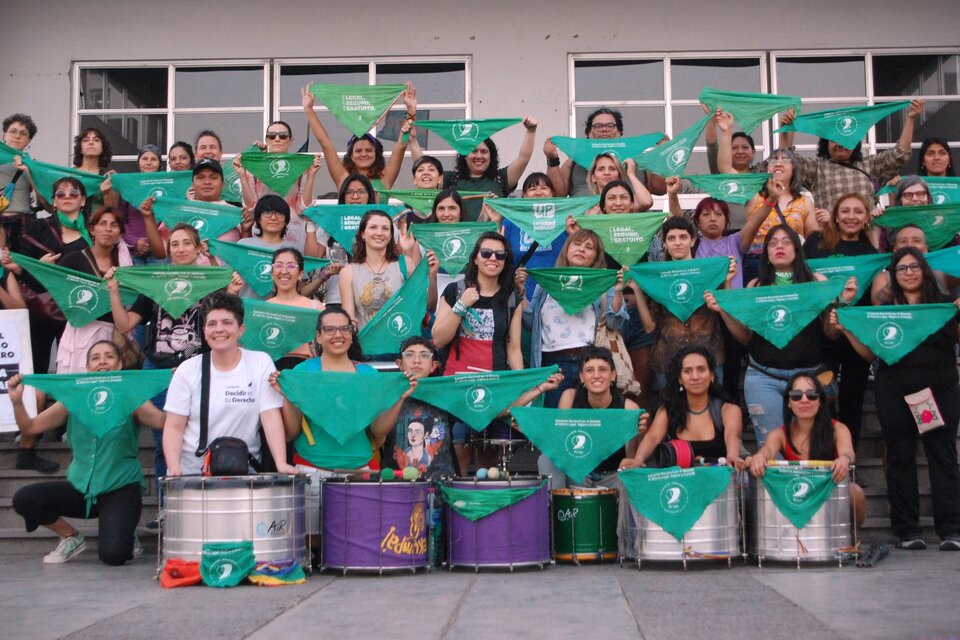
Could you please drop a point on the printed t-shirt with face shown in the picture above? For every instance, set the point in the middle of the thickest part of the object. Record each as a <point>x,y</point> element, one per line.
<point>490,325</point>
<point>236,399</point>
<point>170,340</point>
<point>421,439</point>
<point>544,257</point>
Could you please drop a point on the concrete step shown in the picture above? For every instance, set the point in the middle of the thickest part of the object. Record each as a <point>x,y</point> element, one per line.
<point>11,519</point>
<point>60,453</point>
<point>16,541</point>
<point>12,480</point>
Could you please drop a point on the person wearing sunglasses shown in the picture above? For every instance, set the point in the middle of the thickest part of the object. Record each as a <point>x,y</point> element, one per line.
<point>809,433</point>
<point>287,274</point>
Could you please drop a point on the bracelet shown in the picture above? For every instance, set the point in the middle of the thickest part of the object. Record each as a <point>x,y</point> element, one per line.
<point>840,302</point>
<point>540,388</point>
<point>310,227</point>
<point>460,309</point>
<point>553,162</point>
<point>770,203</point>
<point>411,117</point>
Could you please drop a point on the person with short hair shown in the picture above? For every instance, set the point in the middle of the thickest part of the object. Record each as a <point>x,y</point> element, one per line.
<point>19,130</point>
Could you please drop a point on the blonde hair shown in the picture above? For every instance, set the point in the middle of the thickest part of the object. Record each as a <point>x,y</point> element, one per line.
<point>582,235</point>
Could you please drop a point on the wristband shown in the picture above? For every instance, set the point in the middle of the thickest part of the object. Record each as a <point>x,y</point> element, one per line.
<point>770,203</point>
<point>310,227</point>
<point>460,309</point>
<point>553,162</point>
<point>410,117</point>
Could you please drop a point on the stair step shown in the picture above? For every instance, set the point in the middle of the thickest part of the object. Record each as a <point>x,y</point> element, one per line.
<point>16,541</point>
<point>60,453</point>
<point>10,518</point>
<point>11,480</point>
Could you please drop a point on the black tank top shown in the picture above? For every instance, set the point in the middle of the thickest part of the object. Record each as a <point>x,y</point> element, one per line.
<point>580,401</point>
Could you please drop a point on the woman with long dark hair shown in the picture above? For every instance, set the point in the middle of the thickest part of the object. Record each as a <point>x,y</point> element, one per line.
<point>287,272</point>
<point>935,158</point>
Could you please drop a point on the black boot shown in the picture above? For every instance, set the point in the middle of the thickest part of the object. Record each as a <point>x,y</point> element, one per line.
<point>28,460</point>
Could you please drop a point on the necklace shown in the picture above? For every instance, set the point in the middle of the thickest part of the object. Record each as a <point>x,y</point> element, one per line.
<point>700,412</point>
<point>380,270</point>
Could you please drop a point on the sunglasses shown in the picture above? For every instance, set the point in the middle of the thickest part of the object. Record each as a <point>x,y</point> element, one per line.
<point>73,193</point>
<point>797,394</point>
<point>486,254</point>
<point>274,135</point>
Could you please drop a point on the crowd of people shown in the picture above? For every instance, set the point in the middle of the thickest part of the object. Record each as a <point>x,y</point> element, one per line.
<point>804,395</point>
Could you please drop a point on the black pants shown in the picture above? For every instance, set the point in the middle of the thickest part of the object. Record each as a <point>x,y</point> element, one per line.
<point>853,371</point>
<point>42,335</point>
<point>44,503</point>
<point>940,445</point>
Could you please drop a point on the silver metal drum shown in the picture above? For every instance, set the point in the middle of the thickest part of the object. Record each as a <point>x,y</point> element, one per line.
<point>823,539</point>
<point>267,509</point>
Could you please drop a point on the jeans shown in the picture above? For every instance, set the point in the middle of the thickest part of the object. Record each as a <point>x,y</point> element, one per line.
<point>764,396</point>
<point>559,480</point>
<point>159,460</point>
<point>570,369</point>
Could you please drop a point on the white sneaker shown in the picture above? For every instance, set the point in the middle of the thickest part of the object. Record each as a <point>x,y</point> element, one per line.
<point>67,550</point>
<point>137,547</point>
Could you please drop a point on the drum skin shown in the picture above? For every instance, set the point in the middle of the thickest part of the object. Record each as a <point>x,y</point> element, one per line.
<point>584,524</point>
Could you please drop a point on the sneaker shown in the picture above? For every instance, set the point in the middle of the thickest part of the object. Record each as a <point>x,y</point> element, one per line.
<point>912,543</point>
<point>156,523</point>
<point>28,460</point>
<point>950,542</point>
<point>67,550</point>
<point>137,547</point>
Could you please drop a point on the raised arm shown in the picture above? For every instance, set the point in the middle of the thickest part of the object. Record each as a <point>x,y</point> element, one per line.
<point>123,320</point>
<point>50,418</point>
<point>158,248</point>
<point>724,124</point>
<point>673,196</point>
<point>559,174</point>
<point>737,330</point>
<point>519,165</point>
<point>786,137</point>
<point>334,164</point>
<point>642,200</point>
<point>392,170</point>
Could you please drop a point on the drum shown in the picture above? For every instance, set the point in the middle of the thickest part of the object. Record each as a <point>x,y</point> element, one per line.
<point>267,509</point>
<point>824,538</point>
<point>714,536</point>
<point>517,535</point>
<point>374,526</point>
<point>584,524</point>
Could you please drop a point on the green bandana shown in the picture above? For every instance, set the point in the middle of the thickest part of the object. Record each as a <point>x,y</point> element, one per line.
<point>865,268</point>
<point>577,440</point>
<point>82,298</point>
<point>102,401</point>
<point>670,158</point>
<point>543,219</point>
<point>798,492</point>
<point>226,564</point>
<point>575,288</point>
<point>779,313</point>
<point>77,225</point>
<point>679,285</point>
<point>342,404</point>
<point>675,498</point>
<point>358,107</point>
<point>174,288</point>
<point>748,109</point>
<point>474,505</point>
<point>137,187</point>
<point>277,329</point>
<point>421,200</point>
<point>8,153</point>
<point>451,242</point>
<point>946,260</point>
<point>891,332</point>
<point>45,175</point>
<point>626,236</point>
<point>846,127</point>
<point>478,398</point>
<point>940,223</point>
<point>400,317</point>
<point>255,264</point>
<point>210,219</point>
<point>731,187</point>
<point>465,135</point>
<point>945,190</point>
<point>583,151</point>
<point>232,183</point>
<point>279,171</point>
<point>341,221</point>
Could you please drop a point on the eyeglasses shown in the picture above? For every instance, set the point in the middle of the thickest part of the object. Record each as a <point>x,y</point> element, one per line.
<point>904,268</point>
<point>417,355</point>
<point>486,254</point>
<point>603,126</point>
<point>108,224</point>
<point>354,192</point>
<point>797,394</point>
<point>329,330</point>
<point>913,195</point>
<point>289,266</point>
<point>73,193</point>
<point>276,135</point>
<point>271,214</point>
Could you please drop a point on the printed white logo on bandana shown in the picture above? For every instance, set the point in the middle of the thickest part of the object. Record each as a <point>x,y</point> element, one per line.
<point>99,400</point>
<point>479,397</point>
<point>847,125</point>
<point>453,247</point>
<point>677,158</point>
<point>178,289</point>
<point>673,498</point>
<point>264,271</point>
<point>778,317</point>
<point>731,188</point>
<point>578,443</point>
<point>939,198</point>
<point>798,491</point>
<point>199,224</point>
<point>399,325</point>
<point>84,297</point>
<point>466,131</point>
<point>681,290</point>
<point>889,334</point>
<point>158,192</point>
<point>280,168</point>
<point>272,335</point>
<point>571,283</point>
<point>544,210</point>
<point>234,187</point>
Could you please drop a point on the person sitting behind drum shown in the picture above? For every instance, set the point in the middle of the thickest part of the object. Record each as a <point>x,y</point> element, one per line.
<point>597,390</point>
<point>104,480</point>
<point>695,422</point>
<point>811,434</point>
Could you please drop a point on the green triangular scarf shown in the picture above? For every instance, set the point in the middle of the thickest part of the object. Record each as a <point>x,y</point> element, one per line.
<point>137,187</point>
<point>584,151</point>
<point>226,564</point>
<point>781,312</point>
<point>846,127</point>
<point>575,288</point>
<point>731,187</point>
<point>543,219</point>
<point>940,223</point>
<point>865,268</point>
<point>342,404</point>
<point>577,440</point>
<point>279,171</point>
<point>748,109</point>
<point>78,224</point>
<point>210,219</point>
<point>670,158</point>
<point>255,264</point>
<point>474,505</point>
<point>945,190</point>
<point>675,498</point>
<point>451,242</point>
<point>82,298</point>
<point>341,221</point>
<point>277,329</point>
<point>798,492</point>
<point>421,200</point>
<point>358,107</point>
<point>626,236</point>
<point>174,288</point>
<point>893,331</point>
<point>45,175</point>
<point>102,401</point>
<point>400,317</point>
<point>478,398</point>
<point>8,153</point>
<point>465,135</point>
<point>679,285</point>
<point>946,260</point>
<point>232,183</point>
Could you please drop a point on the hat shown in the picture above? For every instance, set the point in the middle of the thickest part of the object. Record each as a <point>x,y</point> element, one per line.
<point>208,163</point>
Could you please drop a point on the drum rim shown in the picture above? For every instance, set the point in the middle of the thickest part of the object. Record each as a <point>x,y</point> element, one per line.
<point>233,482</point>
<point>585,491</point>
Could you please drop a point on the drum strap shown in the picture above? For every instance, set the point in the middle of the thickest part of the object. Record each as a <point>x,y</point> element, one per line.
<point>204,402</point>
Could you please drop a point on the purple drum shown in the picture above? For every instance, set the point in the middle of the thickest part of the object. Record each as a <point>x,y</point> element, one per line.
<point>515,536</point>
<point>374,526</point>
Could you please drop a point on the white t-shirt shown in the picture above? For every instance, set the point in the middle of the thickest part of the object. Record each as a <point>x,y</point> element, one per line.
<point>237,398</point>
